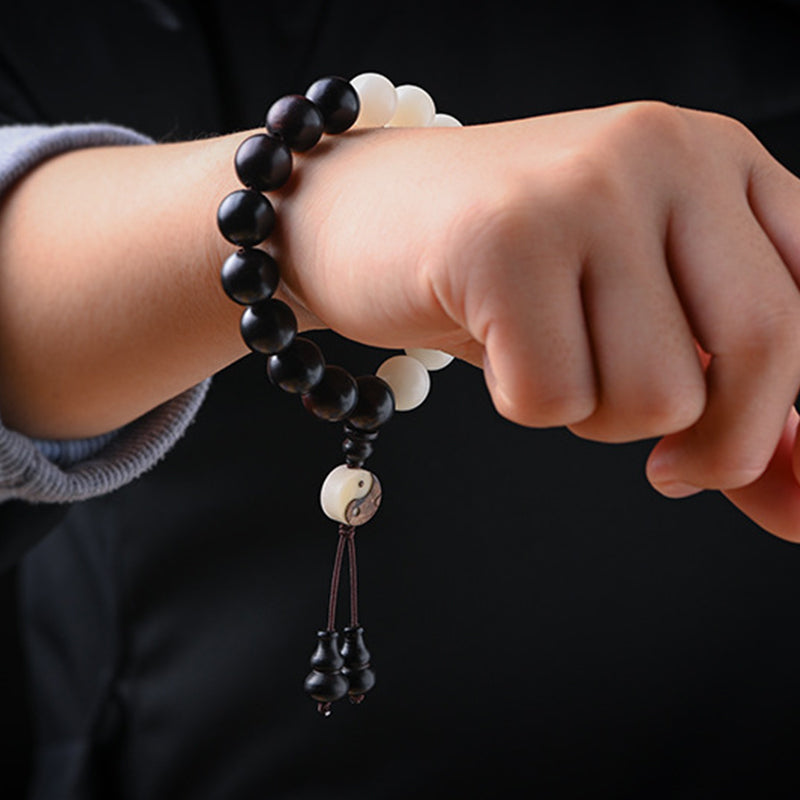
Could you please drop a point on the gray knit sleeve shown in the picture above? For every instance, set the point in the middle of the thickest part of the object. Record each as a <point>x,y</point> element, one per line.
<point>63,471</point>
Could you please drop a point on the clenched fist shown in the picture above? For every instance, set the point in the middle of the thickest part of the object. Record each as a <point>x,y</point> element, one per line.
<point>628,272</point>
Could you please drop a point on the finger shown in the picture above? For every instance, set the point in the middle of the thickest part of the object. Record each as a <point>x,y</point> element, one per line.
<point>537,361</point>
<point>745,310</point>
<point>774,195</point>
<point>649,375</point>
<point>773,501</point>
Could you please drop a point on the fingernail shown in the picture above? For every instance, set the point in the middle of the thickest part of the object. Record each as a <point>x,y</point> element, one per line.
<point>677,489</point>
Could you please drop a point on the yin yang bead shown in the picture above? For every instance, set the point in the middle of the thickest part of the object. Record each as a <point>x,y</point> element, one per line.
<point>350,496</point>
<point>430,359</point>
<point>408,380</point>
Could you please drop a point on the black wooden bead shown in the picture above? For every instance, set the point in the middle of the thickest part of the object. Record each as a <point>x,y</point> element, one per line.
<point>327,657</point>
<point>358,445</point>
<point>357,433</point>
<point>245,217</point>
<point>356,661</point>
<point>249,276</point>
<point>296,120</point>
<point>375,403</point>
<point>298,368</point>
<point>325,683</point>
<point>360,680</point>
<point>337,100</point>
<point>334,397</point>
<point>356,452</point>
<point>326,687</point>
<point>263,162</point>
<point>268,327</point>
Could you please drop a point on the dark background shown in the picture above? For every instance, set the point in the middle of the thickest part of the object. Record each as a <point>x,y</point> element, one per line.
<point>544,620</point>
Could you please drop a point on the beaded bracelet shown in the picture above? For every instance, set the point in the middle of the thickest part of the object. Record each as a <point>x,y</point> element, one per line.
<point>350,494</point>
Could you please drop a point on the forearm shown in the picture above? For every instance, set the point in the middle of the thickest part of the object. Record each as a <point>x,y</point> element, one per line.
<point>109,292</point>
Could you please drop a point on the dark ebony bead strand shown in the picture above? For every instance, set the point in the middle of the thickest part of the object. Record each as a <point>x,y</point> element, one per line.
<point>249,276</point>
<point>296,120</point>
<point>268,327</point>
<point>334,397</point>
<point>263,162</point>
<point>298,368</point>
<point>338,102</point>
<point>245,217</point>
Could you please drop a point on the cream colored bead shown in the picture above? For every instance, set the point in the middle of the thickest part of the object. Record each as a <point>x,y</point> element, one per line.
<point>430,359</point>
<point>349,495</point>
<point>378,99</point>
<point>415,108</point>
<point>445,121</point>
<point>408,379</point>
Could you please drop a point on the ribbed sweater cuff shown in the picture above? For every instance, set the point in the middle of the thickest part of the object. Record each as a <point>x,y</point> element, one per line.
<point>64,471</point>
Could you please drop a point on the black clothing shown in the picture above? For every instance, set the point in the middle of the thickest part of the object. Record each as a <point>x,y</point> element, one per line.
<point>543,621</point>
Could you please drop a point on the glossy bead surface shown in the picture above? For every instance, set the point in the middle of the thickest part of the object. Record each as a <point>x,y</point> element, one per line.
<point>338,102</point>
<point>327,657</point>
<point>245,217</point>
<point>377,98</point>
<point>375,403</point>
<point>354,651</point>
<point>268,327</point>
<point>350,496</point>
<point>408,379</point>
<point>445,121</point>
<point>430,359</point>
<point>263,162</point>
<point>357,445</point>
<point>326,687</point>
<point>334,397</point>
<point>325,683</point>
<point>249,276</point>
<point>415,108</point>
<point>298,368</point>
<point>356,657</point>
<point>356,451</point>
<point>357,433</point>
<point>296,120</point>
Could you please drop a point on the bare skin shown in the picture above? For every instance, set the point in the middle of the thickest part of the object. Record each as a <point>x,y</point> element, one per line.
<point>629,272</point>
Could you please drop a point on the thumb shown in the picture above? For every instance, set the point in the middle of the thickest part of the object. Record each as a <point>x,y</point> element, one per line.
<point>773,501</point>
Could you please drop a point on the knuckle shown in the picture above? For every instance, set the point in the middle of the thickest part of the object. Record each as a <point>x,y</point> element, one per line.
<point>728,472</point>
<point>586,180</point>
<point>670,411</point>
<point>727,463</point>
<point>783,329</point>
<point>653,411</point>
<point>563,408</point>
<point>649,123</point>
<point>548,408</point>
<point>730,128</point>
<point>774,334</point>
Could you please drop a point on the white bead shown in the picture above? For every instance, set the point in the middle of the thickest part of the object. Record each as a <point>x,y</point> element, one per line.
<point>445,121</point>
<point>350,495</point>
<point>378,99</point>
<point>415,108</point>
<point>408,379</point>
<point>430,359</point>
